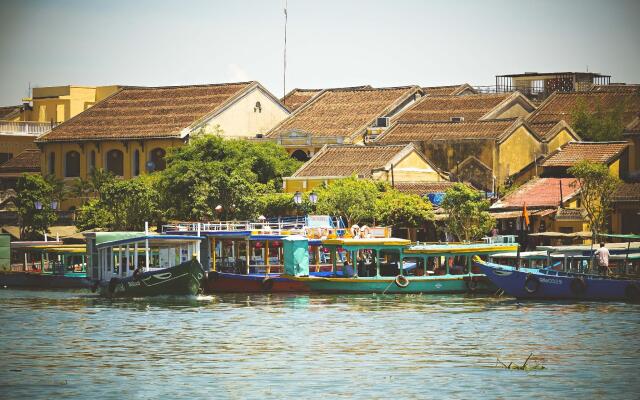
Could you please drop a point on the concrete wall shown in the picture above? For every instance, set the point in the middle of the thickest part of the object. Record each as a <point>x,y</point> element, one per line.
<point>515,153</point>
<point>560,139</point>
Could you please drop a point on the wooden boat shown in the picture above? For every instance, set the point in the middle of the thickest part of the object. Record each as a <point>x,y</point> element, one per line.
<point>134,264</point>
<point>249,257</point>
<point>43,265</point>
<point>393,266</point>
<point>540,283</point>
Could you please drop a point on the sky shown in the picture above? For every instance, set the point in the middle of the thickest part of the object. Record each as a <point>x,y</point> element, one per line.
<point>330,43</point>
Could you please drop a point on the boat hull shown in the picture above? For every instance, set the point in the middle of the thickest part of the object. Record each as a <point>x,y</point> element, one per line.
<point>388,285</point>
<point>182,280</point>
<point>528,283</point>
<point>29,280</point>
<point>222,282</point>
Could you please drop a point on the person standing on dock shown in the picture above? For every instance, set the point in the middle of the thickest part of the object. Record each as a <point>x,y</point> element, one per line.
<point>603,259</point>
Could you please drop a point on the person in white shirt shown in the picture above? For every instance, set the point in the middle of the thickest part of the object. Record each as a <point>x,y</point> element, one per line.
<point>602,255</point>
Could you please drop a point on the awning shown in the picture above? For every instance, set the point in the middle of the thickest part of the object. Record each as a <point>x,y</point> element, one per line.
<point>583,234</point>
<point>620,236</point>
<point>518,213</point>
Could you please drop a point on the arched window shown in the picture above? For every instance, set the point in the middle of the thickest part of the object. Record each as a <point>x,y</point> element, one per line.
<point>300,155</point>
<point>135,168</point>
<point>72,164</point>
<point>52,163</point>
<point>115,162</point>
<point>258,107</point>
<point>157,161</point>
<point>92,161</point>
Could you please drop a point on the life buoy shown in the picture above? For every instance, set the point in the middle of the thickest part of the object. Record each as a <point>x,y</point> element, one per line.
<point>267,284</point>
<point>213,275</point>
<point>402,281</point>
<point>531,284</point>
<point>578,285</point>
<point>112,284</point>
<point>365,232</point>
<point>355,231</point>
<point>632,292</point>
<point>472,284</point>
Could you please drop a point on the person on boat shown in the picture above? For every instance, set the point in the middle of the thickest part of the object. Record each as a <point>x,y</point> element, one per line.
<point>602,255</point>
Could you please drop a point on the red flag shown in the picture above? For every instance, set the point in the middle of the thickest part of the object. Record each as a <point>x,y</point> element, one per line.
<point>525,214</point>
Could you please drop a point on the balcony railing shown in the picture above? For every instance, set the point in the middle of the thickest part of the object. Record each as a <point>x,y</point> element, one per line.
<point>26,128</point>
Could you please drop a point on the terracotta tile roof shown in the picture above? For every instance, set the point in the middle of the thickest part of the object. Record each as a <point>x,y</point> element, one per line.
<point>450,90</point>
<point>343,112</point>
<point>145,112</point>
<point>347,160</point>
<point>539,193</point>
<point>627,192</point>
<point>27,161</point>
<point>633,127</point>
<point>560,106</point>
<point>574,152</point>
<point>9,111</point>
<point>423,188</point>
<point>424,131</point>
<point>298,97</point>
<point>442,108</point>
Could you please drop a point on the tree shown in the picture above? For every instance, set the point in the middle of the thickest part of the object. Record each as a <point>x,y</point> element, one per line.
<point>403,210</point>
<point>34,191</point>
<point>600,125</point>
<point>597,187</point>
<point>468,218</point>
<point>123,205</point>
<point>280,204</point>
<point>352,198</point>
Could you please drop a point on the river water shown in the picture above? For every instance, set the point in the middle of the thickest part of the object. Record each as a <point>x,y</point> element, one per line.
<point>74,345</point>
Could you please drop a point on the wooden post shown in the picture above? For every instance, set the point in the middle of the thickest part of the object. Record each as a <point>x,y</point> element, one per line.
<point>213,254</point>
<point>334,260</point>
<point>266,256</point>
<point>378,263</point>
<point>248,258</point>
<point>135,252</point>
<point>317,258</point>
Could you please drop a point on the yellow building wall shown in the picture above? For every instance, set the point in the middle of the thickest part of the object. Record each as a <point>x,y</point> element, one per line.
<point>128,149</point>
<point>516,152</point>
<point>411,168</point>
<point>614,168</point>
<point>303,185</point>
<point>514,111</point>
<point>243,119</point>
<point>560,139</point>
<point>16,144</point>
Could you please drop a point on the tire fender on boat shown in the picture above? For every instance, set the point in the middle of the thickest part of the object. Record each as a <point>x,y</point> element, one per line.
<point>267,284</point>
<point>402,281</point>
<point>533,280</point>
<point>632,292</point>
<point>472,284</point>
<point>578,285</point>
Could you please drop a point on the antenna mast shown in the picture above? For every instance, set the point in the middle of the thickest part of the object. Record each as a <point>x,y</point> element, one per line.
<point>284,74</point>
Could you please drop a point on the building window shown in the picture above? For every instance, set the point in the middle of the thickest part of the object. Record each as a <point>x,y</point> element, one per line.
<point>115,162</point>
<point>136,163</point>
<point>300,155</point>
<point>92,161</point>
<point>52,163</point>
<point>72,164</point>
<point>258,107</point>
<point>156,160</point>
<point>4,157</point>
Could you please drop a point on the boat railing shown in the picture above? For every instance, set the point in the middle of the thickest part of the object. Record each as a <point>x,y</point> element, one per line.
<point>275,226</point>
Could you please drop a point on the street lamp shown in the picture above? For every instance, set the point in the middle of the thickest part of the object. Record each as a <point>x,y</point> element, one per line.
<point>38,205</point>
<point>313,197</point>
<point>297,198</point>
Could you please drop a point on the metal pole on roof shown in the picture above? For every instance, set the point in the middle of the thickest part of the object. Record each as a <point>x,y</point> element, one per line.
<point>284,74</point>
<point>146,245</point>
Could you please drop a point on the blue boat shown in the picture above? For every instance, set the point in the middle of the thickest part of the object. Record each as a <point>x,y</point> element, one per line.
<point>532,283</point>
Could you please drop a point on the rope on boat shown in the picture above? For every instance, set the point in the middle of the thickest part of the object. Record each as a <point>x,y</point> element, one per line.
<point>387,288</point>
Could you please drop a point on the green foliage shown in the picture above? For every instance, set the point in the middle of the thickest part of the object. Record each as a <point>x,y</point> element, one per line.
<point>32,189</point>
<point>597,187</point>
<point>93,214</point>
<point>352,198</point>
<point>212,171</point>
<point>468,218</point>
<point>403,210</point>
<point>123,205</point>
<point>600,125</point>
<point>282,204</point>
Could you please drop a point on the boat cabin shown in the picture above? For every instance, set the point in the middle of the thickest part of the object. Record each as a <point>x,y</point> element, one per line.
<point>119,254</point>
<point>48,257</point>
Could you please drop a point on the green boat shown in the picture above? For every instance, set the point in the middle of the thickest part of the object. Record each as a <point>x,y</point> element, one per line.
<point>134,264</point>
<point>389,265</point>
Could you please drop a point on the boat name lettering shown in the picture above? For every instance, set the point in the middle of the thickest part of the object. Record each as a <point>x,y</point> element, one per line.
<point>131,284</point>
<point>551,280</point>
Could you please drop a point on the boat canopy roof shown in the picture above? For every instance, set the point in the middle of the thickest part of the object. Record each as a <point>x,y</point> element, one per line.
<point>527,255</point>
<point>56,248</point>
<point>621,236</point>
<point>369,243</point>
<point>154,240</point>
<point>462,248</point>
